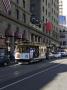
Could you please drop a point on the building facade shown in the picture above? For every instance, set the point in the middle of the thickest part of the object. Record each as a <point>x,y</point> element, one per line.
<point>63,37</point>
<point>16,30</point>
<point>60,7</point>
<point>12,24</point>
<point>46,11</point>
<point>62,27</point>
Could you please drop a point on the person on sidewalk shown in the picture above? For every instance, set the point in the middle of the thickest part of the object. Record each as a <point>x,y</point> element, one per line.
<point>47,54</point>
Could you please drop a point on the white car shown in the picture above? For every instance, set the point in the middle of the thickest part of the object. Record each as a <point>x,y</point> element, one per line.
<point>51,55</point>
<point>63,53</point>
<point>57,54</point>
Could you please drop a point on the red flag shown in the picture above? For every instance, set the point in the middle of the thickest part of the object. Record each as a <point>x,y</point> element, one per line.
<point>48,26</point>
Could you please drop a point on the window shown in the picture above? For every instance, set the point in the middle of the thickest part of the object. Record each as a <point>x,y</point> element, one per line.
<point>52,17</point>
<point>38,39</point>
<point>32,7</point>
<point>46,2</point>
<point>43,8</point>
<point>60,42</point>
<point>43,18</point>
<point>17,12</point>
<point>62,36</point>
<point>46,11</point>
<point>23,3</point>
<point>64,42</point>
<point>63,30</point>
<point>7,31</point>
<point>35,38</point>
<point>60,30</point>
<point>49,14</point>
<point>17,1</point>
<point>17,28</point>
<point>46,20</point>
<point>52,1</point>
<point>52,10</point>
<point>24,18</point>
<point>16,34</point>
<point>9,12</point>
<point>49,5</point>
<point>32,37</point>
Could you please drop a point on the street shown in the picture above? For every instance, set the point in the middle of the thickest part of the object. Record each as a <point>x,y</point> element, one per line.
<point>38,76</point>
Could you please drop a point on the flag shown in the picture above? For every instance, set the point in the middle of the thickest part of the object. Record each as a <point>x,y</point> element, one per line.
<point>48,26</point>
<point>7,5</point>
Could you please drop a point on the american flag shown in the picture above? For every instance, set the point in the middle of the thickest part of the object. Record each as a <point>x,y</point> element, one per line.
<point>7,5</point>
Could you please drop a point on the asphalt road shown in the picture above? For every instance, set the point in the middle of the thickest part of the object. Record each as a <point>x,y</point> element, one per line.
<point>50,78</point>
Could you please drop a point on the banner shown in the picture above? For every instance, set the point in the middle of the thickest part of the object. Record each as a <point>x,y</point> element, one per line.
<point>62,20</point>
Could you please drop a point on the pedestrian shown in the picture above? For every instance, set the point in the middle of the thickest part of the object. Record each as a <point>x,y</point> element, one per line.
<point>47,55</point>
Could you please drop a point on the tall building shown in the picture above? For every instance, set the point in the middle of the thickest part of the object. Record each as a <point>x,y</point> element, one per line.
<point>62,27</point>
<point>63,37</point>
<point>35,8</point>
<point>16,30</point>
<point>50,13</point>
<point>46,11</point>
<point>60,7</point>
<point>14,23</point>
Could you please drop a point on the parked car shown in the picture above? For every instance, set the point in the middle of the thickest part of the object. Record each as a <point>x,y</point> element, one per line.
<point>63,53</point>
<point>4,60</point>
<point>51,56</point>
<point>56,54</point>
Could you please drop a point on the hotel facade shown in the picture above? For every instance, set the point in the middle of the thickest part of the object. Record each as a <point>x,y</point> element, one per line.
<point>18,32</point>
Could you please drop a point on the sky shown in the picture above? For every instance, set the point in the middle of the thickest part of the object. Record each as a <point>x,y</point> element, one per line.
<point>65,7</point>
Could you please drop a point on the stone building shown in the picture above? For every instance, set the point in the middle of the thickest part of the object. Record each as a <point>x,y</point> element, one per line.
<point>16,30</point>
<point>45,11</point>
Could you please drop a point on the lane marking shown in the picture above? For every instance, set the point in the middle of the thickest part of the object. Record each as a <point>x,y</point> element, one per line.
<point>6,86</point>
